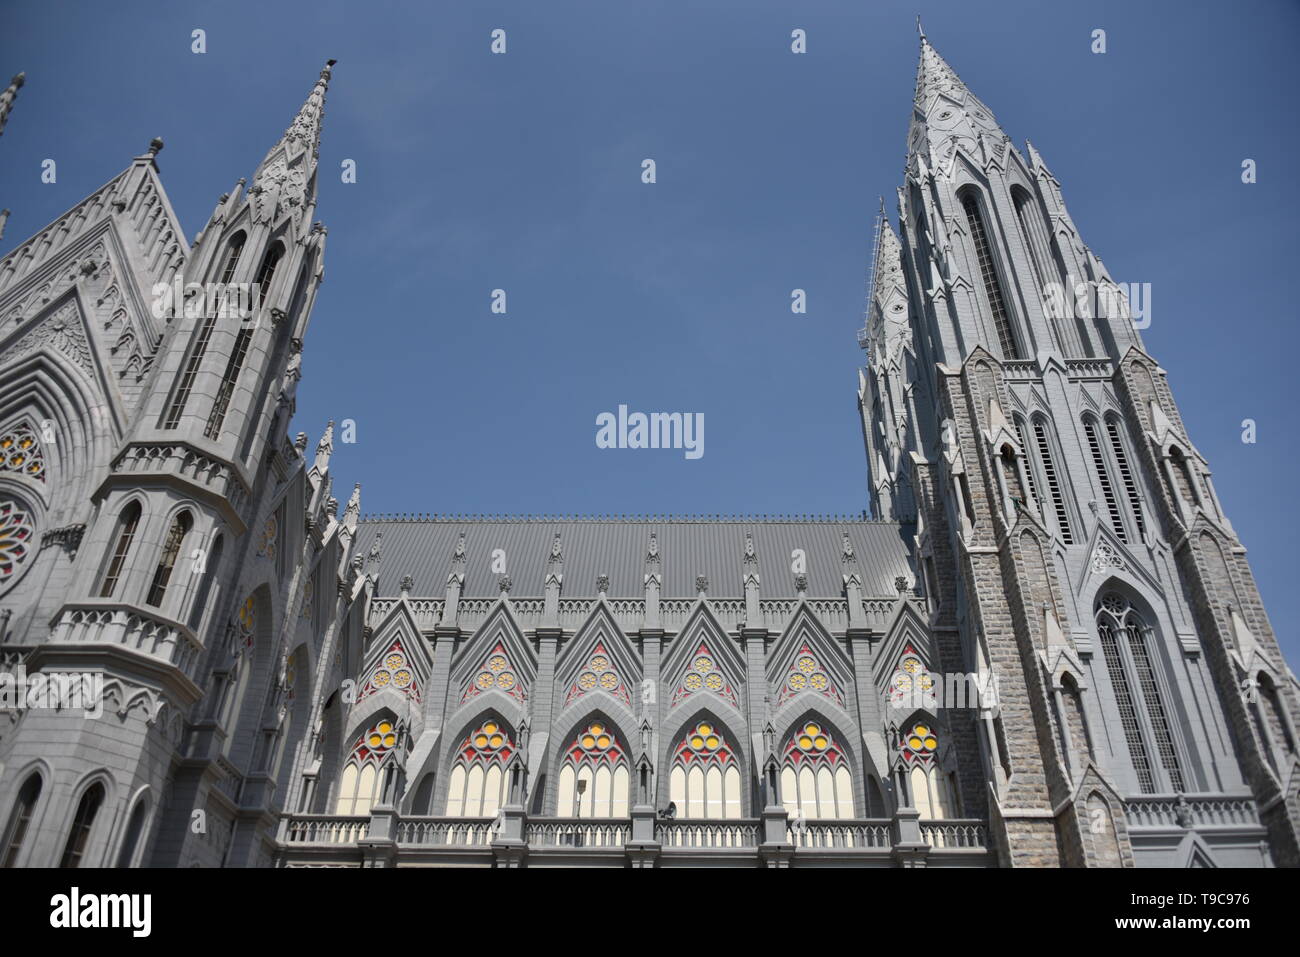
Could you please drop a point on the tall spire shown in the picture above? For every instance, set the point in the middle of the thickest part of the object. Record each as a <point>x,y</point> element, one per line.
<point>286,178</point>
<point>947,117</point>
<point>887,313</point>
<point>8,96</point>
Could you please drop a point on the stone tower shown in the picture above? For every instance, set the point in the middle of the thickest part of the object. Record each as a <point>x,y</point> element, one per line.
<point>161,531</point>
<point>1071,541</point>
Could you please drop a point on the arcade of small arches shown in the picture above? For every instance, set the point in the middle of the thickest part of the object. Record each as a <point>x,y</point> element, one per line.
<point>597,777</point>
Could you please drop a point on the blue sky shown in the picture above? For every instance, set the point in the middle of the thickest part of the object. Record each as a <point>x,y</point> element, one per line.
<point>522,172</point>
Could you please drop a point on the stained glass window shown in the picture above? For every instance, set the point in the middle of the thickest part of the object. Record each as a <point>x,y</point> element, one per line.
<point>816,783</point>
<point>393,671</point>
<point>308,598</point>
<point>702,673</point>
<point>594,777</point>
<point>20,451</point>
<point>15,538</point>
<point>807,674</point>
<point>361,780</point>
<point>600,672</point>
<point>247,622</point>
<point>932,790</point>
<point>911,682</point>
<point>478,779</point>
<point>705,777</point>
<point>496,672</point>
<point>270,532</point>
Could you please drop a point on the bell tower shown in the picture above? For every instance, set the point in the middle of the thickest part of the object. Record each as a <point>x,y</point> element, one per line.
<point>1072,543</point>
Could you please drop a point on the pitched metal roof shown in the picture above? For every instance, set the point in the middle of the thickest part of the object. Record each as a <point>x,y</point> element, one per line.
<point>710,546</point>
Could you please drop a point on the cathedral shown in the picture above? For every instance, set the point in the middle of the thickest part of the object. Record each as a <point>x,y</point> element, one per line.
<point>1043,648</point>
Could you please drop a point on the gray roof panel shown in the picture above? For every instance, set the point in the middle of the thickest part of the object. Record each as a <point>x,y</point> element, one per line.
<point>422,548</point>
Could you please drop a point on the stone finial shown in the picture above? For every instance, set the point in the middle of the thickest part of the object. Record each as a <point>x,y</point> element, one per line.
<point>460,546</point>
<point>801,583</point>
<point>504,584</point>
<point>901,584</point>
<point>557,549</point>
<point>324,448</point>
<point>408,582</point>
<point>702,584</point>
<point>653,551</point>
<point>602,583</point>
<point>847,547</point>
<point>155,146</point>
<point>353,510</point>
<point>4,218</point>
<point>300,442</point>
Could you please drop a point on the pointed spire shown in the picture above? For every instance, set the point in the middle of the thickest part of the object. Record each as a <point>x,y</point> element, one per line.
<point>353,511</point>
<point>286,178</point>
<point>946,117</point>
<point>8,96</point>
<point>324,449</point>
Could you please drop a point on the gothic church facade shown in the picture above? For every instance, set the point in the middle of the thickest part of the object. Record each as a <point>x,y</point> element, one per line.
<point>1044,648</point>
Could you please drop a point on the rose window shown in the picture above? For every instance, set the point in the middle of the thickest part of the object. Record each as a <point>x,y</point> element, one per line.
<point>599,673</point>
<point>15,538</point>
<point>20,451</point>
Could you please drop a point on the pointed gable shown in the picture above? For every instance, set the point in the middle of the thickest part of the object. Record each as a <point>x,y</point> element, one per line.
<point>498,658</point>
<point>598,657</point>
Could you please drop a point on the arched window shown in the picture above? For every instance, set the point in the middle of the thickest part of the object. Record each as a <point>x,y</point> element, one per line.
<point>20,819</point>
<point>211,569</point>
<point>477,786</point>
<point>989,273</point>
<point>200,347</point>
<point>932,790</point>
<point>594,778</point>
<point>1029,469</point>
<point>1125,644</point>
<point>1052,480</point>
<point>79,836</point>
<point>221,404</point>
<point>705,777</point>
<point>133,828</point>
<point>1125,473</point>
<point>815,780</point>
<point>1103,477</point>
<point>180,527</point>
<point>233,252</point>
<point>126,527</point>
<point>266,272</point>
<point>362,778</point>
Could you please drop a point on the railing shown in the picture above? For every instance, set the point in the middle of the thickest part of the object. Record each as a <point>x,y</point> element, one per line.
<point>146,632</point>
<point>842,834</point>
<point>1020,369</point>
<point>576,832</point>
<point>1089,368</point>
<point>954,834</point>
<point>446,831</point>
<point>707,834</point>
<point>324,829</point>
<point>1161,810</point>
